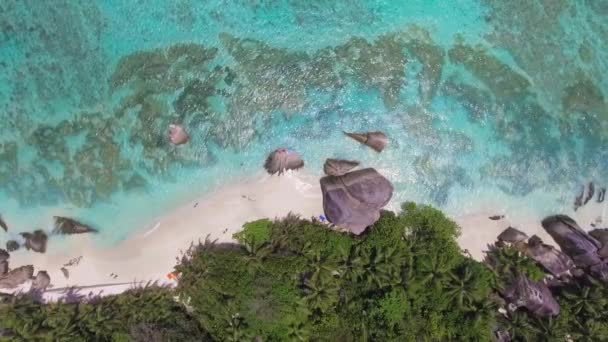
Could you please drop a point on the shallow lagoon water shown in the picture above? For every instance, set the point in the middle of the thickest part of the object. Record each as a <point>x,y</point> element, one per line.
<point>489,104</point>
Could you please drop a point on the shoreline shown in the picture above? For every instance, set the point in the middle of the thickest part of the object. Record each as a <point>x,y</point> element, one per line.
<point>150,253</point>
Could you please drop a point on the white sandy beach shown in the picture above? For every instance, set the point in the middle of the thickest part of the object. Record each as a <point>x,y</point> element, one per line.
<point>150,254</point>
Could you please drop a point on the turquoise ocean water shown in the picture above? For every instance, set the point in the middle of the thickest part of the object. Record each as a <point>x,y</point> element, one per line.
<point>487,102</point>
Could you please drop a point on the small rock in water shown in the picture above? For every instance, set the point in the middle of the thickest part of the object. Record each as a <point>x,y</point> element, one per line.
<point>283,159</point>
<point>3,224</point>
<point>496,217</point>
<point>590,193</point>
<point>376,140</point>
<point>66,225</point>
<point>42,281</point>
<point>578,200</point>
<point>16,277</point>
<point>600,195</point>
<point>12,245</point>
<point>36,241</point>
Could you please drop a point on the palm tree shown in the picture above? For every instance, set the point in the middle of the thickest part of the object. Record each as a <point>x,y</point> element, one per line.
<point>434,271</point>
<point>297,332</point>
<point>236,328</point>
<point>321,269</point>
<point>461,289</point>
<point>518,326</point>
<point>321,296</point>
<point>256,253</point>
<point>587,300</point>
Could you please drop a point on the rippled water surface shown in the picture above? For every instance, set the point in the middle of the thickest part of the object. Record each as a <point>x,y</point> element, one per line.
<point>487,102</point>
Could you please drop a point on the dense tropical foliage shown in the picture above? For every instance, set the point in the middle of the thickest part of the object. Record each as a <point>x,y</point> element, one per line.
<point>406,279</point>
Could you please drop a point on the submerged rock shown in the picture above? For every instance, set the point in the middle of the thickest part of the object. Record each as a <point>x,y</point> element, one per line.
<point>42,281</point>
<point>339,167</point>
<point>16,277</point>
<point>68,226</point>
<point>590,193</point>
<point>554,261</point>
<point>35,241</point>
<point>353,201</point>
<point>283,159</point>
<point>3,224</point>
<point>578,200</point>
<point>534,296</point>
<point>512,235</point>
<point>375,140</point>
<point>601,195</point>
<point>177,134</point>
<point>12,245</point>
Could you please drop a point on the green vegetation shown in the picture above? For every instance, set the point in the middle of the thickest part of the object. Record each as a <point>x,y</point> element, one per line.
<point>406,279</point>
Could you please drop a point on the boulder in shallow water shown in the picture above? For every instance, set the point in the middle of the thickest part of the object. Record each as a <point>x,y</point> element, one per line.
<point>35,241</point>
<point>554,261</point>
<point>534,296</point>
<point>376,140</point>
<point>42,281</point>
<point>68,226</point>
<point>601,194</point>
<point>16,277</point>
<point>353,201</point>
<point>338,167</point>
<point>12,245</point>
<point>283,159</point>
<point>512,235</point>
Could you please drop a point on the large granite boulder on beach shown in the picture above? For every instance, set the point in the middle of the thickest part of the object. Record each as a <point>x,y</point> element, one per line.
<point>68,226</point>
<point>353,201</point>
<point>534,296</point>
<point>376,140</point>
<point>601,235</point>
<point>3,267</point>
<point>282,159</point>
<point>577,244</point>
<point>16,277</point>
<point>42,281</point>
<point>554,261</point>
<point>35,241</point>
<point>512,235</point>
<point>338,167</point>
<point>12,245</point>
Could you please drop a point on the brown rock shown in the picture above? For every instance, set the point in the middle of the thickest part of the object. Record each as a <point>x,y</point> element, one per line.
<point>177,134</point>
<point>12,245</point>
<point>35,241</point>
<point>68,226</point>
<point>512,235</point>
<point>376,140</point>
<point>338,167</point>
<point>42,281</point>
<point>283,159</point>
<point>353,201</point>
<point>534,296</point>
<point>16,277</point>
